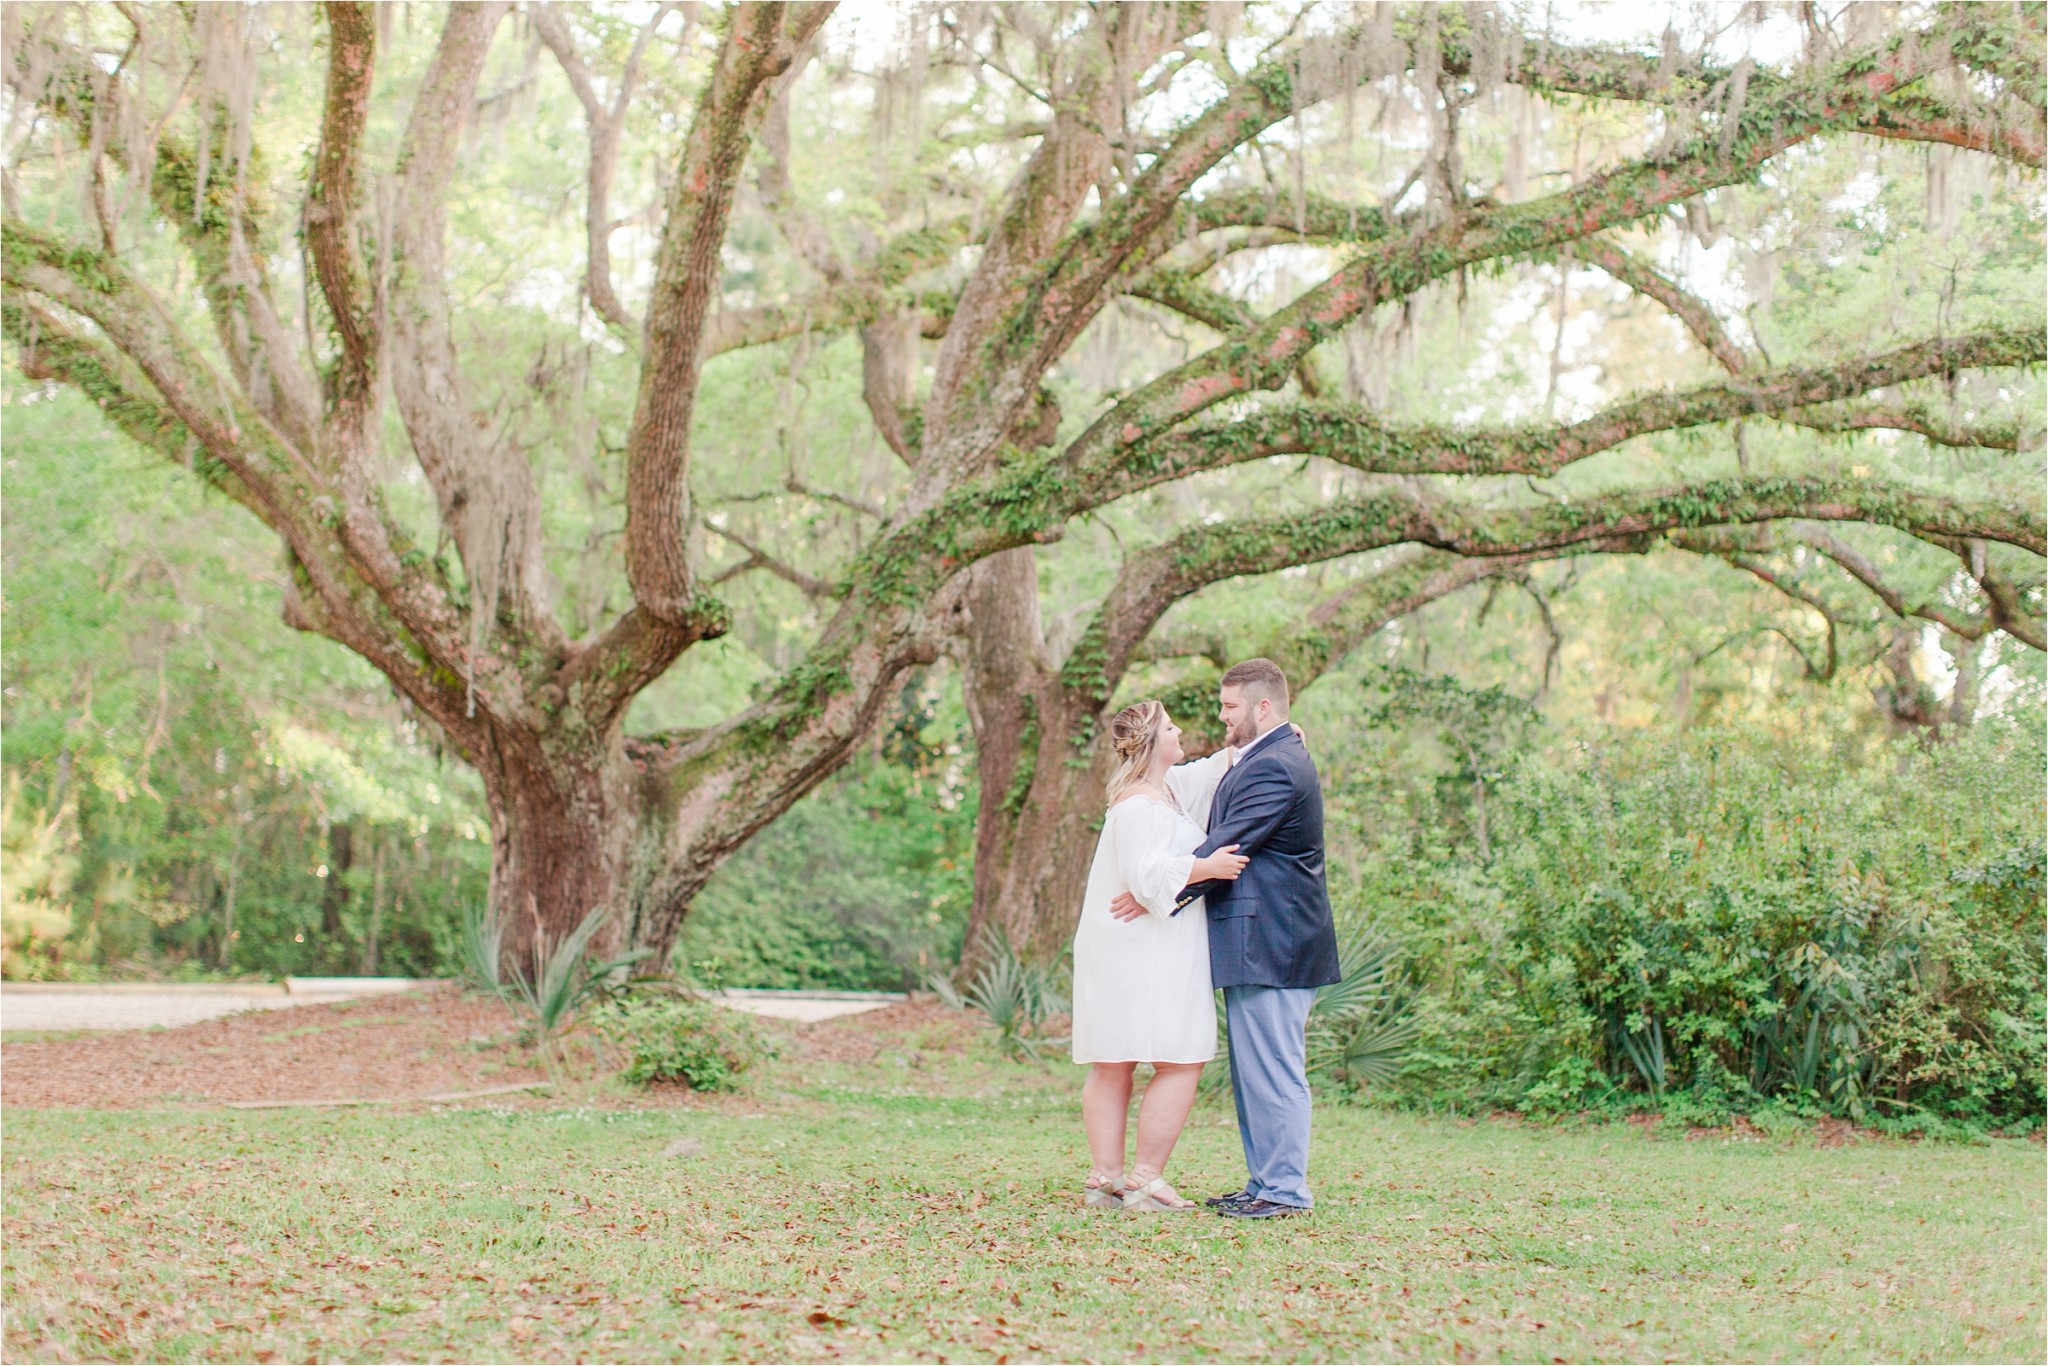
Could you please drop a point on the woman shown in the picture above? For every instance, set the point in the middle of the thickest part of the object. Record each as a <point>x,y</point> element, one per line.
<point>1141,989</point>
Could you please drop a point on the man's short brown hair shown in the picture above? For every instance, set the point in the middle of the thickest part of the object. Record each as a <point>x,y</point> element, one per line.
<point>1257,678</point>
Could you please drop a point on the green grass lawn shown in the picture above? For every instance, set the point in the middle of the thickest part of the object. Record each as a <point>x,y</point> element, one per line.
<point>861,1212</point>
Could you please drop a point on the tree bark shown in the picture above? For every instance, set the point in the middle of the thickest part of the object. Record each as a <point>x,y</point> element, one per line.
<point>1041,773</point>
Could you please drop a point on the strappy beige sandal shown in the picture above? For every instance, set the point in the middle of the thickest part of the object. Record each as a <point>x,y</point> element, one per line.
<point>1146,1199</point>
<point>1103,1192</point>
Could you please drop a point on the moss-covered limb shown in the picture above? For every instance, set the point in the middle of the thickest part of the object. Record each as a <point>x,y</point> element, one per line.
<point>599,678</point>
<point>1313,216</point>
<point>1339,624</point>
<point>1766,552</point>
<point>2015,136</point>
<point>333,204</point>
<point>2007,42</point>
<point>350,443</point>
<point>2006,602</point>
<point>488,505</point>
<point>221,228</point>
<point>758,44</point>
<point>389,620</point>
<point>1834,98</point>
<point>1069,287</point>
<point>51,350</point>
<point>1355,436</point>
<point>725,784</point>
<point>1999,40</point>
<point>1924,419</point>
<point>981,379</point>
<point>1699,319</point>
<point>1866,91</point>
<point>330,599</point>
<point>93,285</point>
<point>1695,313</point>
<point>1186,295</point>
<point>1031,499</point>
<point>1162,643</point>
<point>1209,554</point>
<point>845,303</point>
<point>1150,583</point>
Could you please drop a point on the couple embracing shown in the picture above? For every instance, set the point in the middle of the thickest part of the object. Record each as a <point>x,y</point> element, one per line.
<point>1208,874</point>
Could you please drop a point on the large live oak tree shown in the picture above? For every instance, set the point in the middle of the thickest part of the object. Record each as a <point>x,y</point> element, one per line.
<point>585,814</point>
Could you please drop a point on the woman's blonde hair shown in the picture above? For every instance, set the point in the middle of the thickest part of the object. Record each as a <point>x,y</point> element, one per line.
<point>1134,734</point>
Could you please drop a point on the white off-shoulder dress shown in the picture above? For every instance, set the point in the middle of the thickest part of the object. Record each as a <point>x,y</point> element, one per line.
<point>1141,987</point>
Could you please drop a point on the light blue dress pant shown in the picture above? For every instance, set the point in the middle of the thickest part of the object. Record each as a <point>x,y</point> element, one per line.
<point>1269,1078</point>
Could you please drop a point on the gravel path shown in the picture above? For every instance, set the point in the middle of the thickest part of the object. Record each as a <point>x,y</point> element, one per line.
<point>88,1009</point>
<point>809,1007</point>
<point>137,1006</point>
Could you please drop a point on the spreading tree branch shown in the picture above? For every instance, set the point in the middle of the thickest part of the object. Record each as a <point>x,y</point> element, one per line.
<point>221,232</point>
<point>606,122</point>
<point>810,584</point>
<point>759,43</point>
<point>488,500</point>
<point>1838,96</point>
<point>193,420</point>
<point>851,302</point>
<point>1354,436</point>
<point>332,235</point>
<point>1153,578</point>
<point>1706,328</point>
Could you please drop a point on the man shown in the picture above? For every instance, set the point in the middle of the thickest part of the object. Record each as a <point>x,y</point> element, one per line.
<point>1271,940</point>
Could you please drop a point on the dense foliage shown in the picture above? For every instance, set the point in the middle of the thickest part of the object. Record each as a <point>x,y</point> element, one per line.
<point>863,886</point>
<point>1711,920</point>
<point>189,786</point>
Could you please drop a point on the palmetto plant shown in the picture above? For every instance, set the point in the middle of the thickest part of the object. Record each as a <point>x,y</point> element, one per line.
<point>1362,1026</point>
<point>565,978</point>
<point>1016,996</point>
<point>1641,1037</point>
<point>1817,1042</point>
<point>483,939</point>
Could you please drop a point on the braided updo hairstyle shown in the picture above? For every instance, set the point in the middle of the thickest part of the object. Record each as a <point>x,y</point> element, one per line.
<point>1134,734</point>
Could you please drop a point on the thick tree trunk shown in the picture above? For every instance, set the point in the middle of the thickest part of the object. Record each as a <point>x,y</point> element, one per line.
<point>560,846</point>
<point>1007,683</point>
<point>1032,852</point>
<point>1042,771</point>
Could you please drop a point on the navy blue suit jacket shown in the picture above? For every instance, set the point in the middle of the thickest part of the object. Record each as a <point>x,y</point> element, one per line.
<point>1271,927</point>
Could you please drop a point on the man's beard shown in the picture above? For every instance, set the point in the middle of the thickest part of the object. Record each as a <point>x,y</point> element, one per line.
<point>1238,734</point>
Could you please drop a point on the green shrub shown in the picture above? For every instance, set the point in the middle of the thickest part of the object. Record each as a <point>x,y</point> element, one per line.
<point>1711,922</point>
<point>1017,997</point>
<point>681,1038</point>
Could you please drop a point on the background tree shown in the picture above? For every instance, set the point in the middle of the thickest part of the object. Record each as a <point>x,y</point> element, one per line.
<point>497,598</point>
